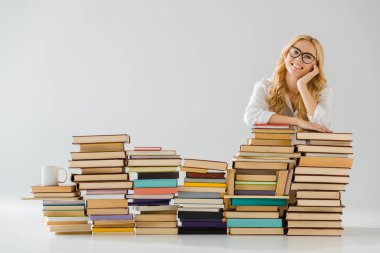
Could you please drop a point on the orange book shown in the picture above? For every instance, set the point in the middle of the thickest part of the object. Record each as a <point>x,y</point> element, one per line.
<point>156,190</point>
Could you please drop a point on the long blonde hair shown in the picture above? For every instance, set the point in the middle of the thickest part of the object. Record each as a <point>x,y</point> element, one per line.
<point>278,89</point>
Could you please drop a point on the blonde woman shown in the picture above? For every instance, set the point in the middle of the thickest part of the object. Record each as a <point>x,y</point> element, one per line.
<point>298,94</point>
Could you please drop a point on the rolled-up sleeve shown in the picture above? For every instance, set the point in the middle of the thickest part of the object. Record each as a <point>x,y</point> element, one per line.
<point>322,114</point>
<point>257,110</point>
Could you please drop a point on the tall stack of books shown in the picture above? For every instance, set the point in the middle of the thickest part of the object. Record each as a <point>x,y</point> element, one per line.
<point>63,210</point>
<point>155,179</point>
<point>321,175</point>
<point>201,197</point>
<point>259,182</point>
<point>103,182</point>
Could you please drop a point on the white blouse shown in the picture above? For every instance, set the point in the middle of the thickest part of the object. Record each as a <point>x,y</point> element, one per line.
<point>257,110</point>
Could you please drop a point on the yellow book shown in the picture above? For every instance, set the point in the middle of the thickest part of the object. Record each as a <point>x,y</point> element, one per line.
<point>192,184</point>
<point>100,230</point>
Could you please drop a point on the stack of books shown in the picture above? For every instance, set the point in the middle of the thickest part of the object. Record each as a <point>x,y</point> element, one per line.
<point>155,179</point>
<point>201,197</point>
<point>259,182</point>
<point>62,208</point>
<point>103,182</point>
<point>321,175</point>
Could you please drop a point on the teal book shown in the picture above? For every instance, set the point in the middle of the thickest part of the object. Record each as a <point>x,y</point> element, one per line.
<point>258,202</point>
<point>254,223</point>
<point>154,183</point>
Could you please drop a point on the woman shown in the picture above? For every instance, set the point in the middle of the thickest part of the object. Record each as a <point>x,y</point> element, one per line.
<point>298,94</point>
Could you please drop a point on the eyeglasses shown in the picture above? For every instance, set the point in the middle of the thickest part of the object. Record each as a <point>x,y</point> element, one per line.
<point>306,57</point>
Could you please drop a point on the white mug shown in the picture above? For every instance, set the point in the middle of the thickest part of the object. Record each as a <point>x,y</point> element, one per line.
<point>50,175</point>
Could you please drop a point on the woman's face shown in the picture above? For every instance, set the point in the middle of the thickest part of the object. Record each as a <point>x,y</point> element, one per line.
<point>296,65</point>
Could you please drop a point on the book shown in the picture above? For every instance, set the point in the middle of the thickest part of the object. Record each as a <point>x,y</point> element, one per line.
<point>156,231</point>
<point>322,171</point>
<point>97,163</point>
<point>313,216</point>
<point>266,142</point>
<point>107,203</point>
<point>273,136</point>
<point>162,190</point>
<point>154,162</point>
<point>281,182</point>
<point>101,177</point>
<point>266,223</point>
<point>324,136</point>
<point>101,170</point>
<point>318,202</point>
<point>325,162</point>
<point>267,178</point>
<point>318,194</point>
<point>260,165</point>
<point>98,155</point>
<point>196,184</point>
<point>272,126</point>
<point>315,231</point>
<point>256,231</point>
<point>325,149</point>
<point>318,186</point>
<point>321,179</point>
<point>155,183</point>
<point>329,143</point>
<point>197,201</point>
<point>252,215</point>
<point>107,211</point>
<point>267,149</point>
<point>53,189</point>
<point>55,194</point>
<point>101,139</point>
<point>104,185</point>
<point>155,217</point>
<point>257,202</point>
<point>153,169</point>
<point>149,152</point>
<point>205,164</point>
<point>101,147</point>
<point>314,224</point>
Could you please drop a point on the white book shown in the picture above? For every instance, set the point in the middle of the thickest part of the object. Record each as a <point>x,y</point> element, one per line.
<point>182,209</point>
<point>155,208</point>
<point>103,196</point>
<point>204,206</point>
<point>198,201</point>
<point>82,218</point>
<point>147,196</point>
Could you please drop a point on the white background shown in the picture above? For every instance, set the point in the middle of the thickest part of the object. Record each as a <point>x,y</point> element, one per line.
<point>176,74</point>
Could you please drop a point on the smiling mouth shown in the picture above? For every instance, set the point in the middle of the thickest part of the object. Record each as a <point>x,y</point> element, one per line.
<point>296,66</point>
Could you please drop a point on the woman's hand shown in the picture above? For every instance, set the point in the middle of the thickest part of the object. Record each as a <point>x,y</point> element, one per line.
<point>306,78</point>
<point>306,125</point>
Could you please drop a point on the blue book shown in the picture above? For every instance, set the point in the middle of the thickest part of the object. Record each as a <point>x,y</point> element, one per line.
<point>254,223</point>
<point>154,183</point>
<point>258,202</point>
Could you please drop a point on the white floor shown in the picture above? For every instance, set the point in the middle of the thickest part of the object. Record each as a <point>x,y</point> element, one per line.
<point>22,230</point>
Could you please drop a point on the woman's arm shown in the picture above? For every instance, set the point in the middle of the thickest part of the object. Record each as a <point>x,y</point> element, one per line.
<point>281,119</point>
<point>308,100</point>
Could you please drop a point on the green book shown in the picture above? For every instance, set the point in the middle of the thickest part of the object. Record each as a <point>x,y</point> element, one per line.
<point>254,223</point>
<point>257,202</point>
<point>154,183</point>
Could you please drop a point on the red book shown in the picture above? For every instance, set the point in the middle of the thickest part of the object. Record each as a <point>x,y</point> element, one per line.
<point>154,191</point>
<point>147,148</point>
